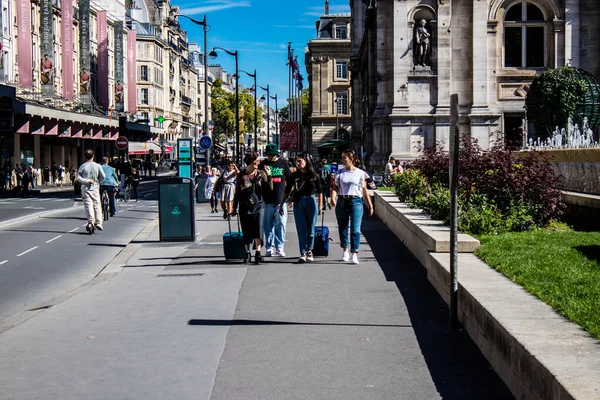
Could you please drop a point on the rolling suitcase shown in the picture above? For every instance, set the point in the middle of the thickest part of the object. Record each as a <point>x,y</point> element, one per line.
<point>233,243</point>
<point>321,247</point>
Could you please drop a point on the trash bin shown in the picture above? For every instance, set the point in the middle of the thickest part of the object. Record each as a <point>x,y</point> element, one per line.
<point>176,209</point>
<point>200,182</point>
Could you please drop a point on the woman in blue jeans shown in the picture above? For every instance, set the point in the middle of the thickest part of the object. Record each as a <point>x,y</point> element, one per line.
<point>347,197</point>
<point>305,187</point>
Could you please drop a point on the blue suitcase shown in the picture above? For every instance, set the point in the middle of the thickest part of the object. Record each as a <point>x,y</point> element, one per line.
<point>321,247</point>
<point>233,243</point>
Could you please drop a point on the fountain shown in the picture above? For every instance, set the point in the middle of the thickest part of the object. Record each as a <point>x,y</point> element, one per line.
<point>573,137</point>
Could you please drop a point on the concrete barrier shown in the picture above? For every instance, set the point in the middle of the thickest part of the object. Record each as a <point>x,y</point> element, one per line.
<point>537,353</point>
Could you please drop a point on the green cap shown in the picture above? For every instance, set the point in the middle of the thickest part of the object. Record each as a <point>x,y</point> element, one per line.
<point>272,150</point>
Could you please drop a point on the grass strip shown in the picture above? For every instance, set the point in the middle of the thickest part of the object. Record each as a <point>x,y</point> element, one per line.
<point>561,268</point>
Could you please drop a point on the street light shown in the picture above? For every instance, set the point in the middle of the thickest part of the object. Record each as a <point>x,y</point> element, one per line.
<point>213,55</point>
<point>205,28</point>
<point>337,118</point>
<point>276,119</point>
<point>255,114</point>
<point>268,114</point>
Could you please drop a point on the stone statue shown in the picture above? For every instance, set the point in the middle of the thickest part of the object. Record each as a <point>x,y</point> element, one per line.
<point>422,40</point>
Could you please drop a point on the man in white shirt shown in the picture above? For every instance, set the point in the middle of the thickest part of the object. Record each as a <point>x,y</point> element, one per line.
<point>90,176</point>
<point>389,167</point>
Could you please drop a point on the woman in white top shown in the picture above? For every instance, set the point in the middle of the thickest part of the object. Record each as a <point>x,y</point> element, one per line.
<point>209,191</point>
<point>351,190</point>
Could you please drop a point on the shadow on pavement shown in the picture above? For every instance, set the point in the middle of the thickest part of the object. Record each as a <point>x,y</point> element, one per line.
<point>256,322</point>
<point>107,245</point>
<point>457,367</point>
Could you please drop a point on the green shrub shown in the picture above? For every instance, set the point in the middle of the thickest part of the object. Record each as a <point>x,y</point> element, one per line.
<point>437,204</point>
<point>411,186</point>
<point>479,216</point>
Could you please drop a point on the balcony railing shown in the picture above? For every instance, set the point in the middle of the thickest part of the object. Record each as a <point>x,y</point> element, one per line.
<point>186,100</point>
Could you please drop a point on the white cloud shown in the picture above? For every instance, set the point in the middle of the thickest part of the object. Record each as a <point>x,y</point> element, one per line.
<point>317,11</point>
<point>296,26</point>
<point>218,5</point>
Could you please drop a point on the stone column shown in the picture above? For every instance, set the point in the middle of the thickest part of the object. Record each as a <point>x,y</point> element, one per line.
<point>492,59</point>
<point>402,36</point>
<point>480,55</point>
<point>560,56</point>
<point>37,154</point>
<point>572,25</point>
<point>444,58</point>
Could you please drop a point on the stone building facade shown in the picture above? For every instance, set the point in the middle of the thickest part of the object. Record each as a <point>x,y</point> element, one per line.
<point>409,56</point>
<point>327,63</point>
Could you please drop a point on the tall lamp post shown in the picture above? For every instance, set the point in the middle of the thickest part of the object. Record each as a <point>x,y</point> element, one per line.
<point>337,119</point>
<point>255,111</point>
<point>213,54</point>
<point>268,114</point>
<point>276,119</point>
<point>205,28</point>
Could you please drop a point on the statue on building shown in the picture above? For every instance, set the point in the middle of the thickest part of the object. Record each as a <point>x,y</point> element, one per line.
<point>422,41</point>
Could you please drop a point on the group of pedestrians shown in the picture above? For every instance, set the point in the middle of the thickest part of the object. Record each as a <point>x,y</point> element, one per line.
<point>264,189</point>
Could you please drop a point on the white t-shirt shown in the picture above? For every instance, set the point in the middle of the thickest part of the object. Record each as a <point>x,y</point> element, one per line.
<point>389,168</point>
<point>350,183</point>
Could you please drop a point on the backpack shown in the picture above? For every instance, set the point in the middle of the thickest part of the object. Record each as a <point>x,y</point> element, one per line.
<point>253,204</point>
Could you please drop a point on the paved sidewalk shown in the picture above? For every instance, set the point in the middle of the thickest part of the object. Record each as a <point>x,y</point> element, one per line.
<point>178,322</point>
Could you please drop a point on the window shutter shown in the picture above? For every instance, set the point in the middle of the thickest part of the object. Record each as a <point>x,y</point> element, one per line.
<point>139,73</point>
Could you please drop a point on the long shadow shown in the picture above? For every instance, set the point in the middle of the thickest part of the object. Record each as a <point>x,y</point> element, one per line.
<point>177,258</point>
<point>457,367</point>
<point>145,211</point>
<point>592,252</point>
<point>118,216</point>
<point>257,322</point>
<point>107,245</point>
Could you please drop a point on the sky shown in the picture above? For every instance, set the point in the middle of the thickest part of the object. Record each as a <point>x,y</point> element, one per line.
<point>260,31</point>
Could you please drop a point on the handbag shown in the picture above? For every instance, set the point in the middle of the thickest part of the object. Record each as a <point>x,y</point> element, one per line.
<point>253,204</point>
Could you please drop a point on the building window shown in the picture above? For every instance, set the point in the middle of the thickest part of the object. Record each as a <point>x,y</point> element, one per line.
<point>524,36</point>
<point>341,70</point>
<point>145,96</point>
<point>143,73</point>
<point>341,31</point>
<point>341,102</point>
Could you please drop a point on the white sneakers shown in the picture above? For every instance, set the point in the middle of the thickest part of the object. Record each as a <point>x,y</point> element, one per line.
<point>279,253</point>
<point>302,259</point>
<point>346,256</point>
<point>309,257</point>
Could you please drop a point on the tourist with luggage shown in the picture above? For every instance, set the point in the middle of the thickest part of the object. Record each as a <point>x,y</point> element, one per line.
<point>304,187</point>
<point>228,188</point>
<point>274,222</point>
<point>348,196</point>
<point>250,185</point>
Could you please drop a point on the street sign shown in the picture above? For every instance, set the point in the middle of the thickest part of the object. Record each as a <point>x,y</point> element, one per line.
<point>205,143</point>
<point>122,143</point>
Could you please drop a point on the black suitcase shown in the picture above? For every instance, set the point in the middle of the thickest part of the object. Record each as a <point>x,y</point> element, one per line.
<point>233,243</point>
<point>321,246</point>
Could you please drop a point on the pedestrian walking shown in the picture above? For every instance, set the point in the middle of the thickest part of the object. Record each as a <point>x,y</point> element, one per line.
<point>348,196</point>
<point>304,185</point>
<point>228,188</point>
<point>324,174</point>
<point>135,183</point>
<point>273,221</point>
<point>90,176</point>
<point>251,183</point>
<point>210,192</point>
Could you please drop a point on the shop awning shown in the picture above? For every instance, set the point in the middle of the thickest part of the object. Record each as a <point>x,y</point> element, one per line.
<point>141,148</point>
<point>335,143</point>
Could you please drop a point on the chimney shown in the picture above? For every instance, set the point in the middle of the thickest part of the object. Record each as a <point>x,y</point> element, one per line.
<point>326,7</point>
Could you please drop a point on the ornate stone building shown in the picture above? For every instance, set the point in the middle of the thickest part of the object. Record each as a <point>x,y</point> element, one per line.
<point>409,56</point>
<point>327,60</point>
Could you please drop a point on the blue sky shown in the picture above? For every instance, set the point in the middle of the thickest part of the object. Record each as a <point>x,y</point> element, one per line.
<point>260,31</point>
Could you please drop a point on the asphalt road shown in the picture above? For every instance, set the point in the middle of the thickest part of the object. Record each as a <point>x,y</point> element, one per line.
<point>45,256</point>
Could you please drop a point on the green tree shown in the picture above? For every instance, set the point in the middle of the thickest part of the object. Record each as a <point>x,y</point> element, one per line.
<point>222,109</point>
<point>247,103</point>
<point>553,99</point>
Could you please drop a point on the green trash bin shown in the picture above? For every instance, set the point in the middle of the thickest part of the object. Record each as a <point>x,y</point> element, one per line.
<point>200,182</point>
<point>176,210</point>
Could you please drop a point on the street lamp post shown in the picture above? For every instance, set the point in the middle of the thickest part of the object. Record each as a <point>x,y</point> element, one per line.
<point>268,114</point>
<point>337,119</point>
<point>276,119</point>
<point>213,54</point>
<point>205,28</point>
<point>255,111</point>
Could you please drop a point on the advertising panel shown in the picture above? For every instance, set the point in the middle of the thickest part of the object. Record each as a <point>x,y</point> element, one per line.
<point>119,88</point>
<point>1,49</point>
<point>66,10</point>
<point>289,135</point>
<point>102,37</point>
<point>47,50</point>
<point>131,73</point>
<point>24,43</point>
<point>85,78</point>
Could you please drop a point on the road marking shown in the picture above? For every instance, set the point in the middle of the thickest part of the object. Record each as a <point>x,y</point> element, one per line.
<point>3,262</point>
<point>27,251</point>
<point>73,230</point>
<point>53,239</point>
<point>85,224</point>
<point>122,211</point>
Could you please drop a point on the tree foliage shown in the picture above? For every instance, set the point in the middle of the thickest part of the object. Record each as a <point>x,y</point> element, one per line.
<point>553,99</point>
<point>284,113</point>
<point>223,110</point>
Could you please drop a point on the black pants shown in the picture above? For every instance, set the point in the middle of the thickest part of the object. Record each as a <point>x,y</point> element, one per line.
<point>214,203</point>
<point>134,188</point>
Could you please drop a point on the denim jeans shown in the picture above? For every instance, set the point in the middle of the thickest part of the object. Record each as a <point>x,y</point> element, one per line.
<point>274,226</point>
<point>353,217</point>
<point>111,197</point>
<point>305,214</point>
